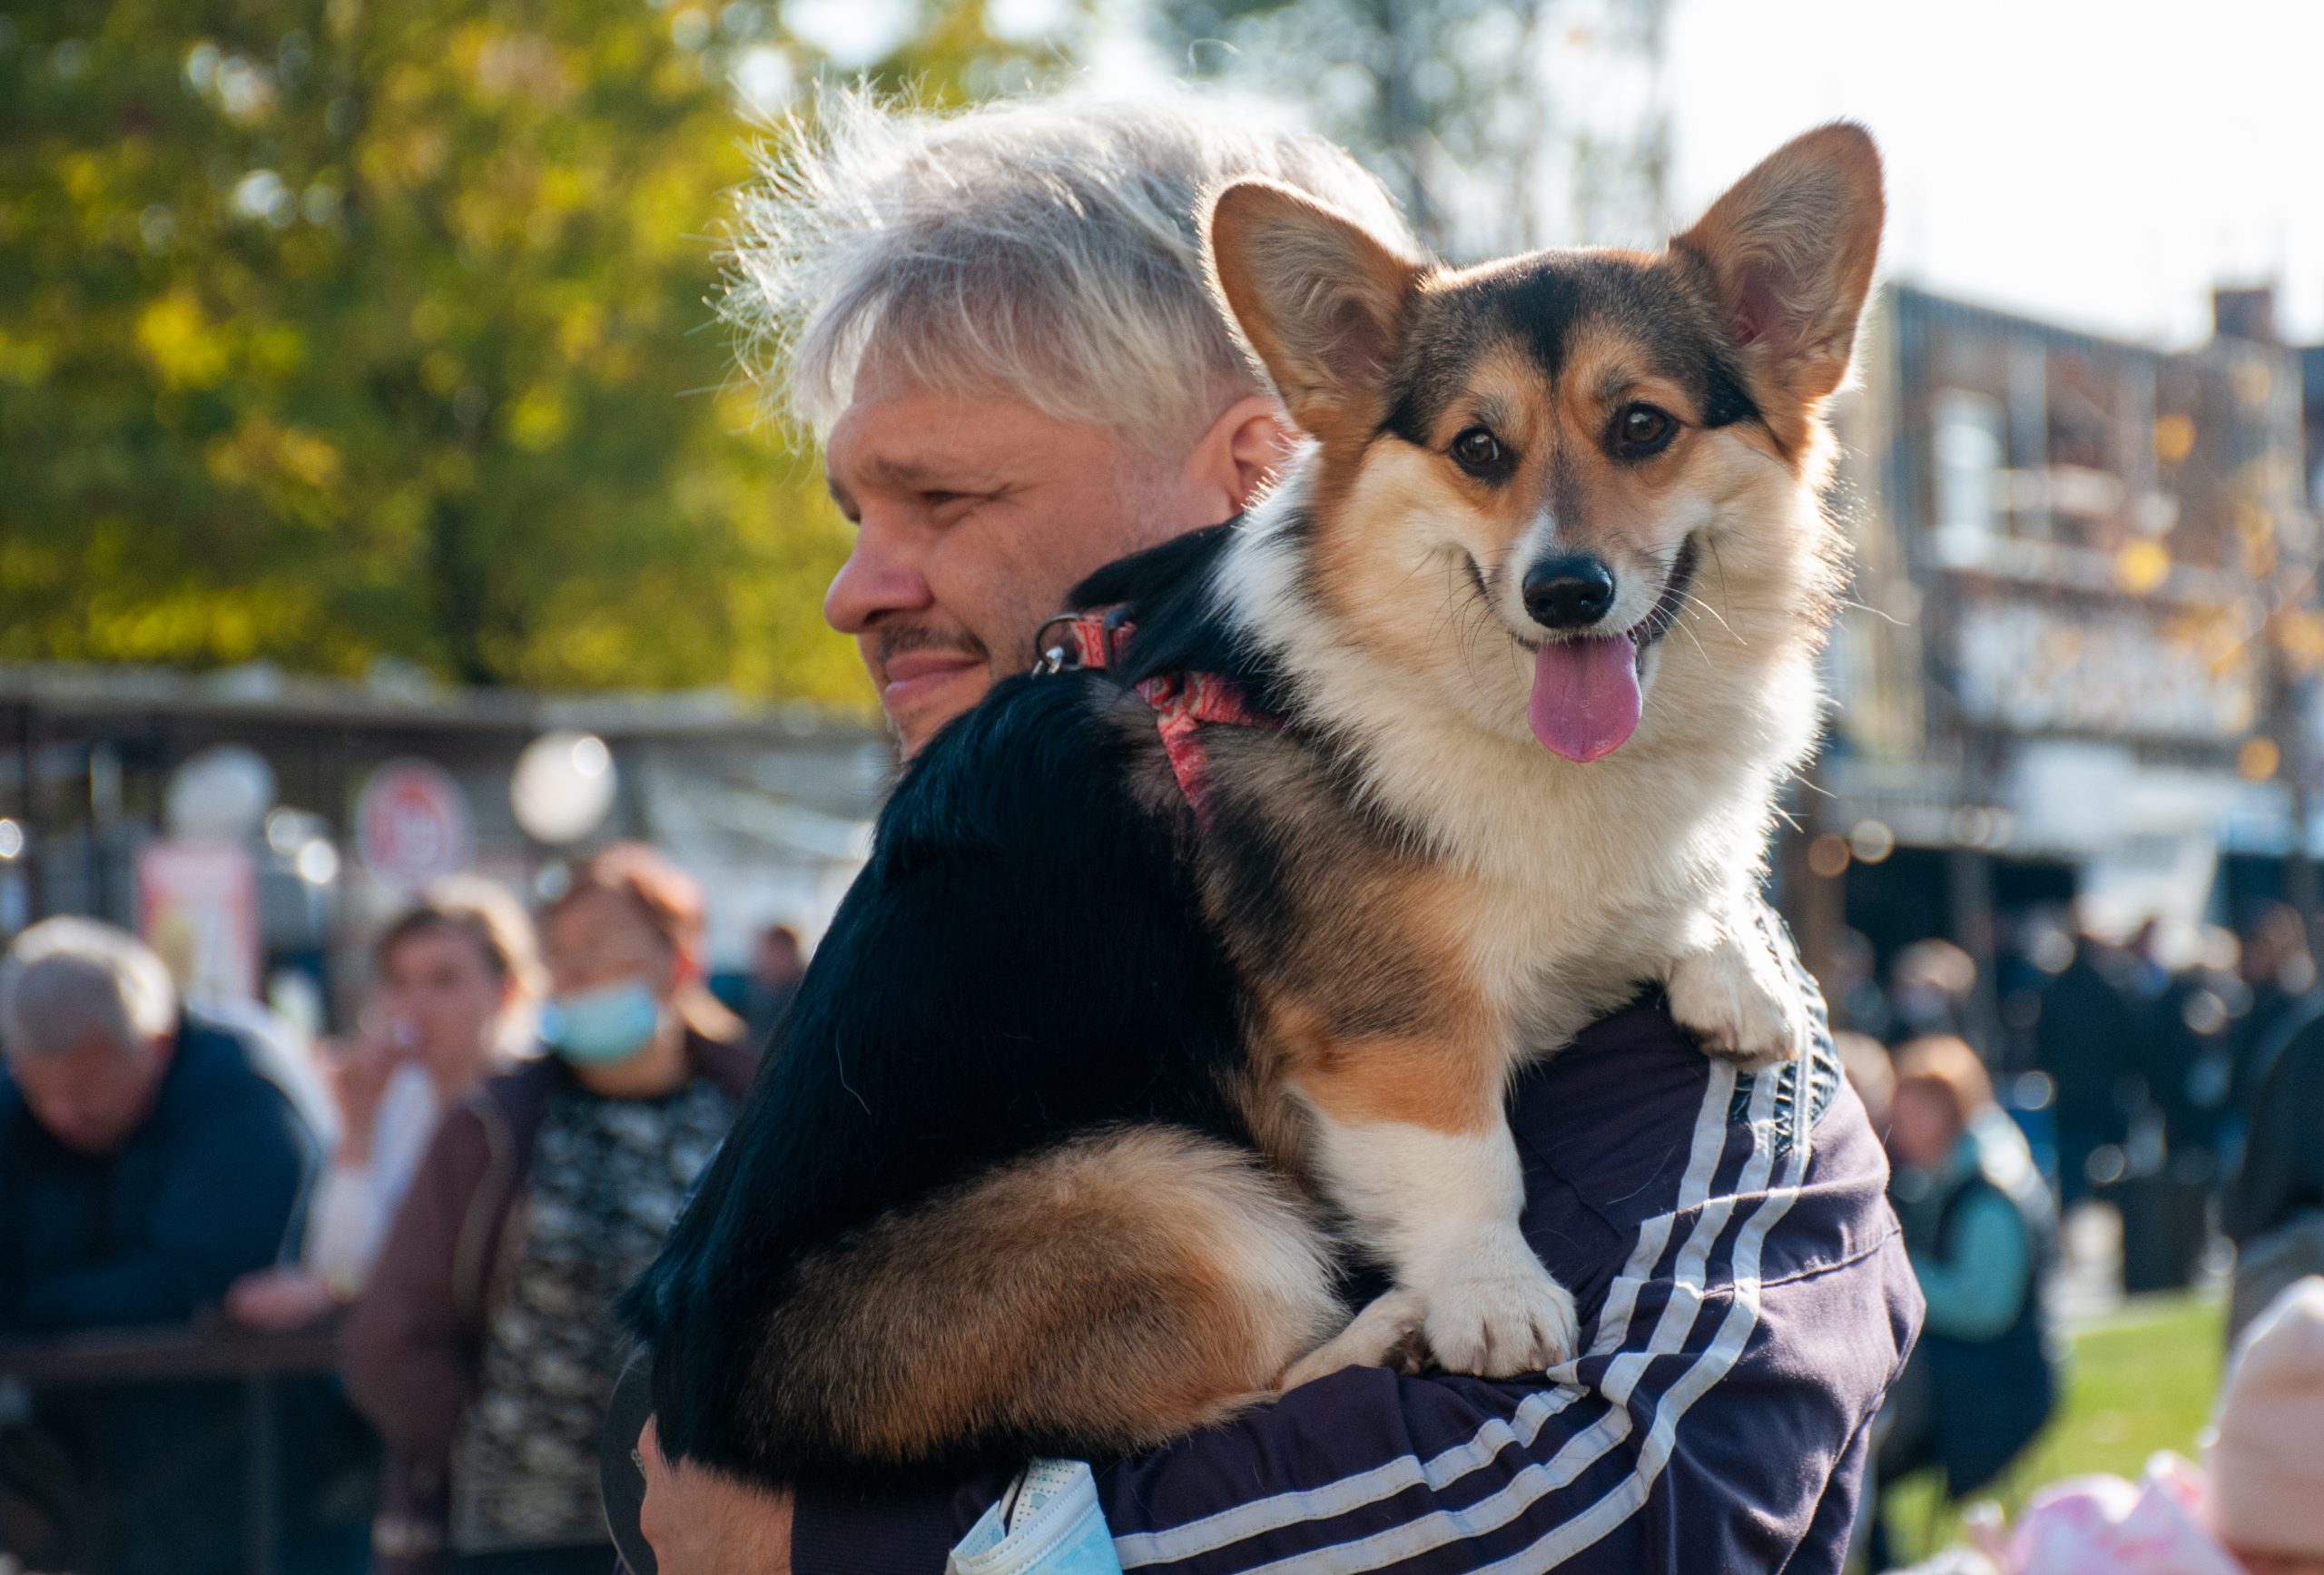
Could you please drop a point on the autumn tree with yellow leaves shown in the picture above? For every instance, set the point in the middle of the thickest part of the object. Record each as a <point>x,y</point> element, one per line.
<point>335,330</point>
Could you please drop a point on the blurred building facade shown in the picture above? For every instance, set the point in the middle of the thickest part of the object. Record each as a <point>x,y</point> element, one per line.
<point>2081,661</point>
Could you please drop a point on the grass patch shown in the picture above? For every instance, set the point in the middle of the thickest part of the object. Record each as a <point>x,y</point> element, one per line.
<point>2143,1379</point>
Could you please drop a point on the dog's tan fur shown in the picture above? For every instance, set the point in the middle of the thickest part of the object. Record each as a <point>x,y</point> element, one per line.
<point>1128,1288</point>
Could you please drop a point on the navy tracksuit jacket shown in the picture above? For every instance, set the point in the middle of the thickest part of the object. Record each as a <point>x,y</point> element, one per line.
<point>1746,1300</point>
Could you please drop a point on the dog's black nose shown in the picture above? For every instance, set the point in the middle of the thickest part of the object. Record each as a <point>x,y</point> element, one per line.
<point>1569,592</point>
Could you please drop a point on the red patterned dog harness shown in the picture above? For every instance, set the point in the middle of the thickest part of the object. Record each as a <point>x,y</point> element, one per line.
<point>1182,701</point>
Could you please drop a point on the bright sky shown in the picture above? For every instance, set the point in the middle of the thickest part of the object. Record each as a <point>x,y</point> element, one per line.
<point>2099,162</point>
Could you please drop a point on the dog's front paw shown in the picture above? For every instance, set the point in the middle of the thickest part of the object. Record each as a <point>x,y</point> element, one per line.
<point>1743,1005</point>
<point>1382,1335</point>
<point>1496,1312</point>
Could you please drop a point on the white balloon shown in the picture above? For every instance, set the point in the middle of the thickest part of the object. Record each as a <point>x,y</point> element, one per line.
<point>220,795</point>
<point>564,786</point>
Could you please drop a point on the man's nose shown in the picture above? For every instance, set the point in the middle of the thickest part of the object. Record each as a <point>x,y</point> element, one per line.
<point>881,576</point>
<point>1567,593</point>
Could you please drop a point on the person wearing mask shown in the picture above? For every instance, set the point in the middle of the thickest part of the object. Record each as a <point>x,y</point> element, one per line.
<point>148,1158</point>
<point>484,1346</point>
<point>1981,1227</point>
<point>459,979</point>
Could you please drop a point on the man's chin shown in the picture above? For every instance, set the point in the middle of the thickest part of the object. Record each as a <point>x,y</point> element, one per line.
<point>920,707</point>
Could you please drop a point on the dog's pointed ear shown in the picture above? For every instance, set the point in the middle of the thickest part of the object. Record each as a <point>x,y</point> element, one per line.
<point>1789,251</point>
<point>1320,298</point>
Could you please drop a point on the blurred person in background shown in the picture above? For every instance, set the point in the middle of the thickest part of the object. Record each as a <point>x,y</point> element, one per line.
<point>484,1346</point>
<point>2086,1033</point>
<point>1982,1227</point>
<point>2184,1052</point>
<point>458,981</point>
<point>1932,990</point>
<point>1852,986</point>
<point>148,1158</point>
<point>1871,1072</point>
<point>2273,1207</point>
<point>777,965</point>
<point>2279,972</point>
<point>2251,1509</point>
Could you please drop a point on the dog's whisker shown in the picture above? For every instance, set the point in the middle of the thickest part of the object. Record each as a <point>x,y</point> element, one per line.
<point>1706,607</point>
<point>1850,604</point>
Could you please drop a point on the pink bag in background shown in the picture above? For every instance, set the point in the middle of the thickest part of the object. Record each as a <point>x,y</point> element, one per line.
<point>2106,1526</point>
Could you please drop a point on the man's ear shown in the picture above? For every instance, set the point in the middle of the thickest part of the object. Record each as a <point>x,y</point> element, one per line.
<point>1238,456</point>
<point>1320,299</point>
<point>1790,250</point>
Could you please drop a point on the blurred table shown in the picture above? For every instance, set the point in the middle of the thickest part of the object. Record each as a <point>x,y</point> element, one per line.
<point>120,1357</point>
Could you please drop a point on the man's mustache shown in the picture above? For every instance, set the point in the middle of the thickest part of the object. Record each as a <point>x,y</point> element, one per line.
<point>895,639</point>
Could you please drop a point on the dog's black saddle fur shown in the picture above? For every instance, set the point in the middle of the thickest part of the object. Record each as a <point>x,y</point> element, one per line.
<point>1023,960</point>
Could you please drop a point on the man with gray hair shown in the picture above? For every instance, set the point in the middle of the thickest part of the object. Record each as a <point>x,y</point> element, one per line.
<point>147,1161</point>
<point>996,323</point>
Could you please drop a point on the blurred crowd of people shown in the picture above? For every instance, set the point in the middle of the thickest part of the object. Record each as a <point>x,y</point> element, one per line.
<point>462,1186</point>
<point>503,1141</point>
<point>2148,1053</point>
<point>2181,1083</point>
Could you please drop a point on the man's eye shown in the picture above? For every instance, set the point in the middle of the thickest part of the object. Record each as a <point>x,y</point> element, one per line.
<point>1479,452</point>
<point>1641,430</point>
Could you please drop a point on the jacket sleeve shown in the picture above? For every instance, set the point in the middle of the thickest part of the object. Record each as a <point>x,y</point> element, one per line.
<point>1641,1465</point>
<point>225,1202</point>
<point>1717,1422</point>
<point>414,1338</point>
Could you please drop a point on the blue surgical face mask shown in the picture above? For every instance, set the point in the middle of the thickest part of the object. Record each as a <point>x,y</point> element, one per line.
<point>596,1028</point>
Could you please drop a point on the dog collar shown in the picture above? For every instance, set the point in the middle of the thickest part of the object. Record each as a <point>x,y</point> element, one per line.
<point>1183,702</point>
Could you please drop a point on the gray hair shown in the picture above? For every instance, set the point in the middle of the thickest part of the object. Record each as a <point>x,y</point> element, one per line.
<point>67,979</point>
<point>1049,249</point>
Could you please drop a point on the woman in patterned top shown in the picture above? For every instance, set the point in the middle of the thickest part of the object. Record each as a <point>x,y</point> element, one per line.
<point>459,979</point>
<point>484,1347</point>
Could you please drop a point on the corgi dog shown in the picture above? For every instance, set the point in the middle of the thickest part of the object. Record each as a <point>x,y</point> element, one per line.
<point>1181,977</point>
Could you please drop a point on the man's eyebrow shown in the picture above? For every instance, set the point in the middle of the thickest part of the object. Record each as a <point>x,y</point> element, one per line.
<point>888,470</point>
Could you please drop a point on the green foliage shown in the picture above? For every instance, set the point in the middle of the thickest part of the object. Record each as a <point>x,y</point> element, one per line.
<point>339,329</point>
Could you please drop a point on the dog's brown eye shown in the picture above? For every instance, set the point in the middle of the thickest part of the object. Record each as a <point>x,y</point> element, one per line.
<point>1478,451</point>
<point>1640,430</point>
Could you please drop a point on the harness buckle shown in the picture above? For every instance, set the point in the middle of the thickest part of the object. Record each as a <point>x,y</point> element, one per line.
<point>1051,659</point>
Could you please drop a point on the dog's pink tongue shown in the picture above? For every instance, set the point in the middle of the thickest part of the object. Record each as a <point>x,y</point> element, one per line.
<point>1585,696</point>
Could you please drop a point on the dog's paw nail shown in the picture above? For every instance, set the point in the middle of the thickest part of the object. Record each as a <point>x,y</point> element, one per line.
<point>1503,1326</point>
<point>1735,1013</point>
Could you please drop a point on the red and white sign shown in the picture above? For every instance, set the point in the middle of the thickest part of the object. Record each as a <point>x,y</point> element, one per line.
<point>197,906</point>
<point>413,824</point>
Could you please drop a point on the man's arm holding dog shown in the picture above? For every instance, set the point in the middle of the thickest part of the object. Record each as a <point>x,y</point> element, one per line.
<point>1747,1305</point>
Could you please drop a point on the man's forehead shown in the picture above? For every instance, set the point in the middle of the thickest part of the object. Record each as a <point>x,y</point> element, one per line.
<point>902,460</point>
<point>893,431</point>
